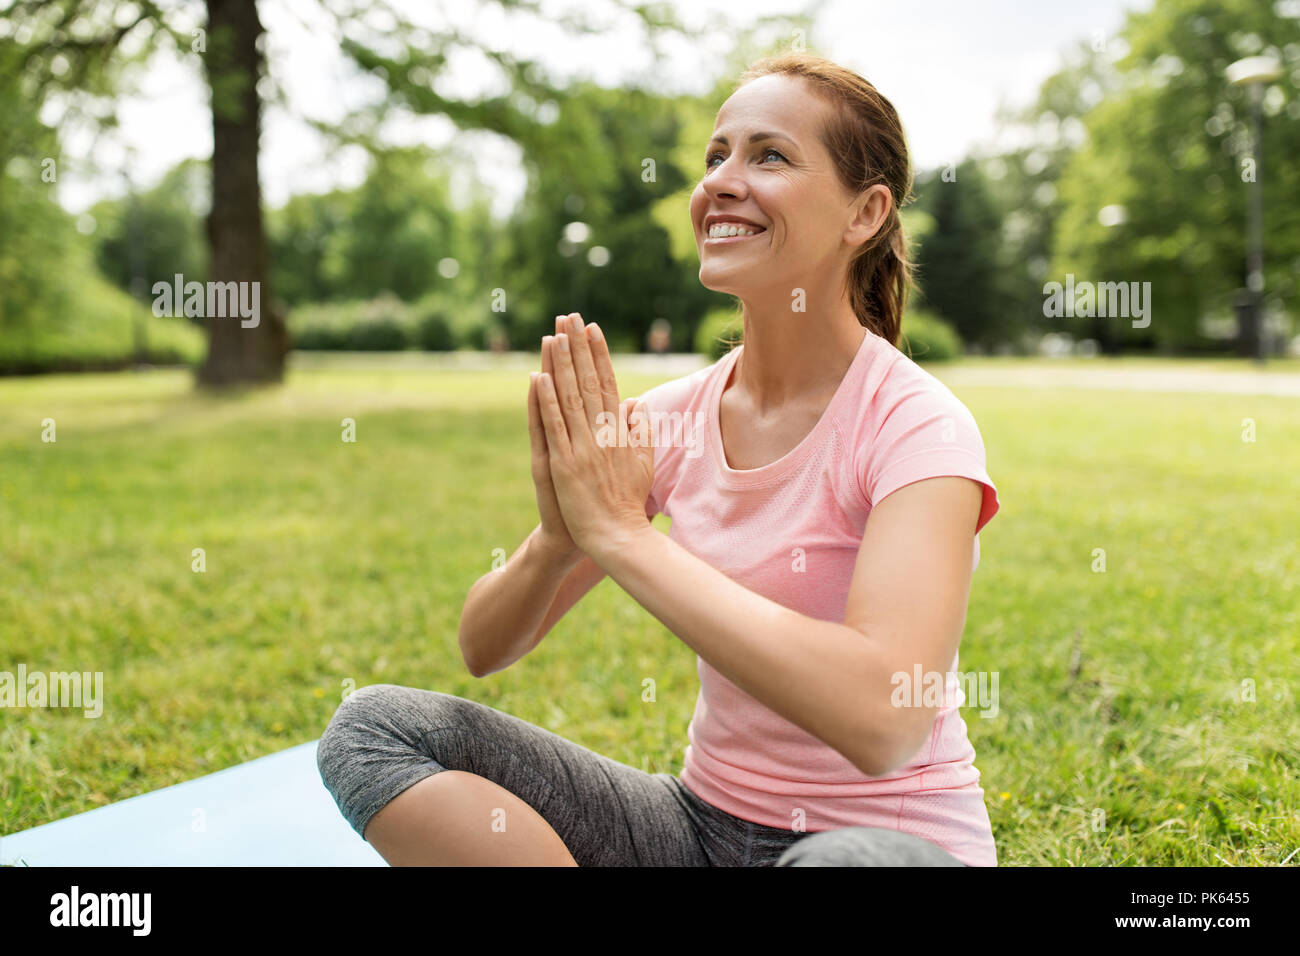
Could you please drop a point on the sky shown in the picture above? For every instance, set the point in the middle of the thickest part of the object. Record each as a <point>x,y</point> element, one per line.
<point>946,65</point>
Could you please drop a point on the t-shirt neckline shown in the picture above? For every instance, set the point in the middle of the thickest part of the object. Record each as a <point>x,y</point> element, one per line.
<point>744,477</point>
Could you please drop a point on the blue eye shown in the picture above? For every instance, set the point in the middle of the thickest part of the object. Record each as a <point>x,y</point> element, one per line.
<point>708,160</point>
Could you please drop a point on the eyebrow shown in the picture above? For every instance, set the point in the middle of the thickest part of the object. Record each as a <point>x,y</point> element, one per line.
<point>754,138</point>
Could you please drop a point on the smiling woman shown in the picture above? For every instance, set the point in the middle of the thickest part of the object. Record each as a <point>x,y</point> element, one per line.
<point>822,544</point>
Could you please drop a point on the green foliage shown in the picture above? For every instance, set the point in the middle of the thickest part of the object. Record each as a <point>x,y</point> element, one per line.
<point>927,338</point>
<point>387,236</point>
<point>433,330</point>
<point>959,262</point>
<point>56,312</point>
<point>1170,147</point>
<point>1024,183</point>
<point>610,160</point>
<point>382,325</point>
<point>151,236</point>
<point>719,332</point>
<point>434,323</point>
<point>101,328</point>
<point>378,325</point>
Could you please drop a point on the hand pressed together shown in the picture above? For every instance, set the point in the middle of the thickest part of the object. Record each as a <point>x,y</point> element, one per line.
<point>598,450</point>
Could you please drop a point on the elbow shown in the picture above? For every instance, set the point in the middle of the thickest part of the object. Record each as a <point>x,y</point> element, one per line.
<point>475,667</point>
<point>896,749</point>
<point>473,671</point>
<point>471,664</point>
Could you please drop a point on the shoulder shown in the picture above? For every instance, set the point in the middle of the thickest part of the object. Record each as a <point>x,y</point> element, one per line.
<point>900,399</point>
<point>908,425</point>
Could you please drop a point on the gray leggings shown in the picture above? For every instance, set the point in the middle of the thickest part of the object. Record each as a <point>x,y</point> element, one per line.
<point>384,738</point>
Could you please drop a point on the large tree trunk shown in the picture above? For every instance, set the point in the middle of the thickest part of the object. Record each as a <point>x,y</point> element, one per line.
<point>238,351</point>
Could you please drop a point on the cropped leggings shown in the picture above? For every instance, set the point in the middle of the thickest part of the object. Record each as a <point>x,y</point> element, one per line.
<point>385,738</point>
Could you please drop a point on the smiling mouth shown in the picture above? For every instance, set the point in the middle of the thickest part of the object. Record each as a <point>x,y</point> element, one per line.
<point>719,240</point>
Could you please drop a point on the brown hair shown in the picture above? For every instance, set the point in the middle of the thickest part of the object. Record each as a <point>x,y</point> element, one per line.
<point>865,139</point>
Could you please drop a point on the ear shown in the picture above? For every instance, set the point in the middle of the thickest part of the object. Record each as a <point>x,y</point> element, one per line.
<point>869,213</point>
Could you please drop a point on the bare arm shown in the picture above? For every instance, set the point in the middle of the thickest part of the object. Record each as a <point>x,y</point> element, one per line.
<point>906,609</point>
<point>509,610</point>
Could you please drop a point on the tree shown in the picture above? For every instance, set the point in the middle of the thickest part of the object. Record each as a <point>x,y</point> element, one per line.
<point>85,45</point>
<point>1024,181</point>
<point>959,263</point>
<point>1170,147</point>
<point>155,233</point>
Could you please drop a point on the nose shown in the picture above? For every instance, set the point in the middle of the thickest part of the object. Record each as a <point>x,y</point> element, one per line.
<point>725,180</point>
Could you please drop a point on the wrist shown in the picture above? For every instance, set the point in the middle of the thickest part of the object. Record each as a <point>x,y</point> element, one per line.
<point>554,552</point>
<point>618,542</point>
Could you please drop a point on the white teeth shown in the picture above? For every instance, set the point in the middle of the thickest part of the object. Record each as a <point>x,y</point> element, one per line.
<point>723,229</point>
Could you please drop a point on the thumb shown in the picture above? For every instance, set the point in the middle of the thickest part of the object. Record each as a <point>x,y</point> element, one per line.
<point>640,434</point>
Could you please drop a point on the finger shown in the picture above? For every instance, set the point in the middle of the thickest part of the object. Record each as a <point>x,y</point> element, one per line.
<point>627,413</point>
<point>557,435</point>
<point>640,413</point>
<point>569,399</point>
<point>604,367</point>
<point>584,371</point>
<point>536,430</point>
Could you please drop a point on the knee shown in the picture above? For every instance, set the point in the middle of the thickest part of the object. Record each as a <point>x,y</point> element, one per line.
<point>379,721</point>
<point>356,716</point>
<point>866,846</point>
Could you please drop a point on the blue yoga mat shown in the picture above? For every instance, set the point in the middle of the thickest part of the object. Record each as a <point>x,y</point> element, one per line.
<point>273,811</point>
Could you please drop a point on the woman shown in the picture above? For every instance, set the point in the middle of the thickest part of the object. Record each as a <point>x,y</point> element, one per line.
<point>806,617</point>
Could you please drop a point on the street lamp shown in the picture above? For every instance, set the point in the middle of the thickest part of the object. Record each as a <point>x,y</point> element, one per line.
<point>1254,72</point>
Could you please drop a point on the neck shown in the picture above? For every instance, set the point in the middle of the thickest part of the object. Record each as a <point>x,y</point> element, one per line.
<point>789,357</point>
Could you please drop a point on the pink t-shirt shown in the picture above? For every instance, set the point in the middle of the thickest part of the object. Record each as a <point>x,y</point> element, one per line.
<point>791,531</point>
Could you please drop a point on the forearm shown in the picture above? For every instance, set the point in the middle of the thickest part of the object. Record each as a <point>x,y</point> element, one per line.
<point>506,606</point>
<point>825,677</point>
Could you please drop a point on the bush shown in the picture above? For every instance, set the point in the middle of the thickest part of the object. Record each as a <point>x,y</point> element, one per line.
<point>98,330</point>
<point>434,323</point>
<point>377,325</point>
<point>382,325</point>
<point>927,338</point>
<point>433,331</point>
<point>719,332</point>
<point>382,334</point>
<point>319,326</point>
<point>472,329</point>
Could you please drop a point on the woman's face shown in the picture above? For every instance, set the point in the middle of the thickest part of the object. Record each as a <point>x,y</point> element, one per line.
<point>784,183</point>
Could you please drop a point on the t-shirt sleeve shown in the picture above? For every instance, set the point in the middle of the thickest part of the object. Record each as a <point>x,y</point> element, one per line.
<point>929,433</point>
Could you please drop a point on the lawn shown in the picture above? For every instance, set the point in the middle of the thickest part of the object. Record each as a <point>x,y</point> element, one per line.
<point>1123,735</point>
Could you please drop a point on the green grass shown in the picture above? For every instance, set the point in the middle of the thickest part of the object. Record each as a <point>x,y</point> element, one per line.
<point>330,562</point>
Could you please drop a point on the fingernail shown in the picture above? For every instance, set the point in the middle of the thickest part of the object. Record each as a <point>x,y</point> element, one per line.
<point>595,332</point>
<point>532,377</point>
<point>564,342</point>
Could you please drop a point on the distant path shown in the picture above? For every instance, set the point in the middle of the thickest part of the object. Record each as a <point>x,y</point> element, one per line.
<point>673,365</point>
<point>1138,379</point>
<point>1131,374</point>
